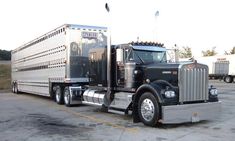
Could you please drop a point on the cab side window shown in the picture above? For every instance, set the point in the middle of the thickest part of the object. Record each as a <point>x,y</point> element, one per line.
<point>129,55</point>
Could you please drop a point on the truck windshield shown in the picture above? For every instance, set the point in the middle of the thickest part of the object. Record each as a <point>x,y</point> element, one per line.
<point>146,57</point>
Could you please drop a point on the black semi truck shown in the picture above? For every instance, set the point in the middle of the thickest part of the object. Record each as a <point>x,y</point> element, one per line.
<point>143,83</point>
<point>133,78</point>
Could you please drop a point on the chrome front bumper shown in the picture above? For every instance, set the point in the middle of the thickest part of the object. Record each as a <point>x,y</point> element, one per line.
<point>190,112</point>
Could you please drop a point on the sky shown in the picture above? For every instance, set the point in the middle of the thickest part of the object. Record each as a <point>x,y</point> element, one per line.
<point>198,24</point>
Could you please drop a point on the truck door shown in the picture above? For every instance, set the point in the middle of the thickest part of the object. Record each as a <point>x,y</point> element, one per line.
<point>120,73</point>
<point>125,69</point>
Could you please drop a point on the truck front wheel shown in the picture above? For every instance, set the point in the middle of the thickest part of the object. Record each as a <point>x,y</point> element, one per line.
<point>148,109</point>
<point>59,98</point>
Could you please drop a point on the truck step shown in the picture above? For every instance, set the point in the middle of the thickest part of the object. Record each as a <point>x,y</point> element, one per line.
<point>121,100</point>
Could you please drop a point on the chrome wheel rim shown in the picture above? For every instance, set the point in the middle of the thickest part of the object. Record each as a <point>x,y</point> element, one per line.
<point>147,109</point>
<point>13,88</point>
<point>57,95</point>
<point>66,96</point>
<point>227,79</point>
<point>16,88</point>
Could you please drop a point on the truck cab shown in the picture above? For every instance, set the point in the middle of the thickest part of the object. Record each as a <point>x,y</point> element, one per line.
<point>152,89</point>
<point>131,62</point>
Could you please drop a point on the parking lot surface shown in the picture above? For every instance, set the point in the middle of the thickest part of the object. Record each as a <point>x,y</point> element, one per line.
<point>27,117</point>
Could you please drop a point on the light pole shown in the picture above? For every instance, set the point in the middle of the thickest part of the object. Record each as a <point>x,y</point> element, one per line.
<point>108,95</point>
<point>176,50</point>
<point>155,16</point>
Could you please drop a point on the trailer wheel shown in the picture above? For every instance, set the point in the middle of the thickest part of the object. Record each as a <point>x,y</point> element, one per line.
<point>59,98</point>
<point>228,79</point>
<point>148,109</point>
<point>13,87</point>
<point>67,98</point>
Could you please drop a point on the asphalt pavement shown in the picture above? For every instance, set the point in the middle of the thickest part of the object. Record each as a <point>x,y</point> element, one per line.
<point>27,117</point>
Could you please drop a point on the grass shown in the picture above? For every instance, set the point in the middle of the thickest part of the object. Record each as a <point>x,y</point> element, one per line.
<point>5,76</point>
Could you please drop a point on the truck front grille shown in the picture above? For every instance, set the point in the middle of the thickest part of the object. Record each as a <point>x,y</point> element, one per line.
<point>193,82</point>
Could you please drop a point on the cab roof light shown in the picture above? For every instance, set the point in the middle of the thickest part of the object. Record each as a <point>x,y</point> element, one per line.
<point>146,44</point>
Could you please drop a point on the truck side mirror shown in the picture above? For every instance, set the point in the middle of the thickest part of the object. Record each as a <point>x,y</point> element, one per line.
<point>119,55</point>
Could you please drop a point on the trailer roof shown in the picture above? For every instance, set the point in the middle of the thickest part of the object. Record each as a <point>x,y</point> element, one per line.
<point>71,26</point>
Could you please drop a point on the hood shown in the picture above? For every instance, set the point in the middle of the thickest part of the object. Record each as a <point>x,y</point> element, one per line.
<point>166,71</point>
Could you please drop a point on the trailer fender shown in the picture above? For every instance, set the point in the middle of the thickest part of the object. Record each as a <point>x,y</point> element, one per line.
<point>154,89</point>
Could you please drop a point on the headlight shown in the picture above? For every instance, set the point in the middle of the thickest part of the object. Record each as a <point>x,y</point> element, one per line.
<point>214,92</point>
<point>169,94</point>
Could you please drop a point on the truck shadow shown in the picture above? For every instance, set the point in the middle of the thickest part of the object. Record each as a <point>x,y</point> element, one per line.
<point>46,98</point>
<point>35,96</point>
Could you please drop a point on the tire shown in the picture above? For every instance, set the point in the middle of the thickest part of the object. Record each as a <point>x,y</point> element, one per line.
<point>148,109</point>
<point>13,87</point>
<point>67,97</point>
<point>16,91</point>
<point>59,98</point>
<point>228,79</point>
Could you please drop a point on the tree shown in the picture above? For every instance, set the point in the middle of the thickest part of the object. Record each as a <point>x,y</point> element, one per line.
<point>5,55</point>
<point>232,51</point>
<point>226,53</point>
<point>185,52</point>
<point>211,52</point>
